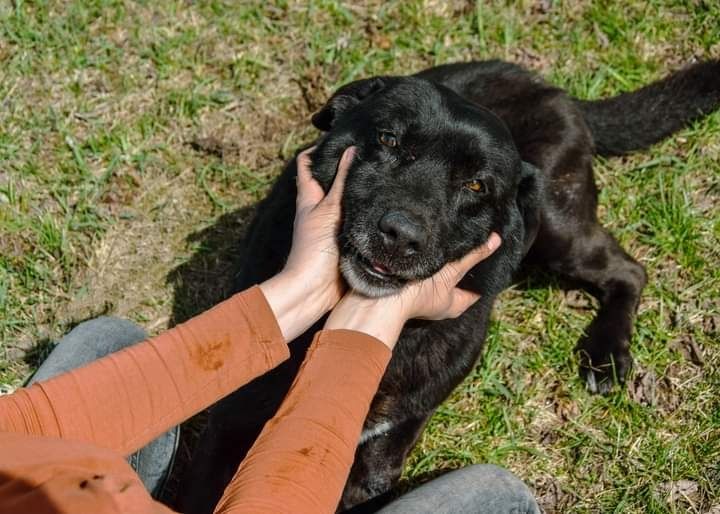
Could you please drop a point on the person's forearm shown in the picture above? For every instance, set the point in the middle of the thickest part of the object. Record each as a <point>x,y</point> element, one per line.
<point>128,398</point>
<point>301,460</point>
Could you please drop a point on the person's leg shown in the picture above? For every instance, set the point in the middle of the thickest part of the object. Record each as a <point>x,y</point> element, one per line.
<point>92,340</point>
<point>482,488</point>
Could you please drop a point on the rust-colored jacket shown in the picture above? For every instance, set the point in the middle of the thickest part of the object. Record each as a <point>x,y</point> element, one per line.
<point>62,441</point>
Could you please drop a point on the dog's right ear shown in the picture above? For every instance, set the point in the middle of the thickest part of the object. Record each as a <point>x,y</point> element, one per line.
<point>344,98</point>
<point>528,201</point>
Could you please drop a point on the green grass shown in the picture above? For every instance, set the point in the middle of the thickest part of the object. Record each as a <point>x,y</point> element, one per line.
<point>103,195</point>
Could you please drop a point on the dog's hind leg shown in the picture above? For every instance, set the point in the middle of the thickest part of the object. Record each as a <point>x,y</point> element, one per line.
<point>593,257</point>
<point>571,241</point>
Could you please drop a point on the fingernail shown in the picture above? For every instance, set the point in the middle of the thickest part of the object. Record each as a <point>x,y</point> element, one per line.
<point>349,154</point>
<point>493,241</point>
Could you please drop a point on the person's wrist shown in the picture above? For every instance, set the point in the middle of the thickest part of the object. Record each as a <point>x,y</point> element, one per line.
<point>318,293</point>
<point>295,302</point>
<point>381,318</point>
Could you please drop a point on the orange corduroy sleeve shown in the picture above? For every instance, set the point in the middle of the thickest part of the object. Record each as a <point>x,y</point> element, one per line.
<point>126,399</point>
<point>58,437</point>
<point>302,459</point>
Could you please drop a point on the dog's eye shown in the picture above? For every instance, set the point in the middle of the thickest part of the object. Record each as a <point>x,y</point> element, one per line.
<point>388,139</point>
<point>476,186</point>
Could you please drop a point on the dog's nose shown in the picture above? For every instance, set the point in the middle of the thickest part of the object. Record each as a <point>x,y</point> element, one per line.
<point>401,233</point>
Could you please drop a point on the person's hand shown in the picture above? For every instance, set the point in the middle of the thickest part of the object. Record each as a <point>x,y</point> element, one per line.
<point>434,298</point>
<point>314,257</point>
<point>310,284</point>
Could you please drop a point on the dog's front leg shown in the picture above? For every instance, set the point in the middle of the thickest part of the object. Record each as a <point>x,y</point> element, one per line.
<point>379,460</point>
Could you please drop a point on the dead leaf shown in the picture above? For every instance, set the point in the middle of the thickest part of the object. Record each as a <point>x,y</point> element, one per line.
<point>561,403</point>
<point>647,389</point>
<point>689,349</point>
<point>541,6</point>
<point>550,496</point>
<point>213,146</point>
<point>577,300</point>
<point>449,8</point>
<point>602,38</point>
<point>312,87</point>
<point>376,37</point>
<point>711,324</point>
<point>382,41</point>
<point>685,491</point>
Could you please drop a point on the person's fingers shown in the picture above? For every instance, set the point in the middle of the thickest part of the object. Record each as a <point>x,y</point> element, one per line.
<point>481,253</point>
<point>456,302</point>
<point>303,165</point>
<point>309,192</point>
<point>335,194</point>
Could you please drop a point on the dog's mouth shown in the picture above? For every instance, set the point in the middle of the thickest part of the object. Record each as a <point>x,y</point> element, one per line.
<point>370,276</point>
<point>376,268</point>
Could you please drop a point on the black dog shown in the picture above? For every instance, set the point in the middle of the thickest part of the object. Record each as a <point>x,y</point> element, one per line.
<point>444,158</point>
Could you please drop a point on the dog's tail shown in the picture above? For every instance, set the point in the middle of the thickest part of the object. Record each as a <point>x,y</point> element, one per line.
<point>636,120</point>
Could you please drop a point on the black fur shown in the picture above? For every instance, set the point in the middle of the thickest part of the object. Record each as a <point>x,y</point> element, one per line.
<point>488,120</point>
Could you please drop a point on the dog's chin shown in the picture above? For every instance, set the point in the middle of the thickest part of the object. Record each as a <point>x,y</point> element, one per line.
<point>366,281</point>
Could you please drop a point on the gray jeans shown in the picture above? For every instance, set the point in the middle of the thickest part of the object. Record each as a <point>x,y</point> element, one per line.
<point>482,488</point>
<point>92,340</point>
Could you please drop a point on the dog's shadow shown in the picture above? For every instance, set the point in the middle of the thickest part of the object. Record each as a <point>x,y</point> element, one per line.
<point>209,276</point>
<point>203,281</point>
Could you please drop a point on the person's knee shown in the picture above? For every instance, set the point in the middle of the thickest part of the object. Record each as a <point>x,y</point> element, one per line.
<point>513,491</point>
<point>89,341</point>
<point>106,334</point>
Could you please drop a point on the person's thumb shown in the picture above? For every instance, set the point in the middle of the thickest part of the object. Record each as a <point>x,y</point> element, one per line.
<point>477,255</point>
<point>335,194</point>
<point>309,191</point>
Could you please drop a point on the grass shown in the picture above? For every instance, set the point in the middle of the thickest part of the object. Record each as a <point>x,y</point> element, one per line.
<point>111,200</point>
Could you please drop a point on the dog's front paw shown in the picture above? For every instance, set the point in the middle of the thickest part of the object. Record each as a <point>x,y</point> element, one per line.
<point>603,366</point>
<point>360,494</point>
<point>366,496</point>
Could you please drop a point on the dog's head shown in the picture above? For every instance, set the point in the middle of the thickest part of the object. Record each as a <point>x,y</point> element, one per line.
<point>433,176</point>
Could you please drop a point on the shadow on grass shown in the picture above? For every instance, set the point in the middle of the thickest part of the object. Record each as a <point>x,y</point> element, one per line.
<point>211,273</point>
<point>41,349</point>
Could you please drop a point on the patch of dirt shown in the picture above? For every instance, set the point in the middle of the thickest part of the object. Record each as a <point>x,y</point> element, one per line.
<point>14,247</point>
<point>125,274</point>
<point>313,86</point>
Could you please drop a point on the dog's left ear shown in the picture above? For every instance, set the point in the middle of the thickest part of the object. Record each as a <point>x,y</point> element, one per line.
<point>518,232</point>
<point>528,201</point>
<point>345,98</point>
